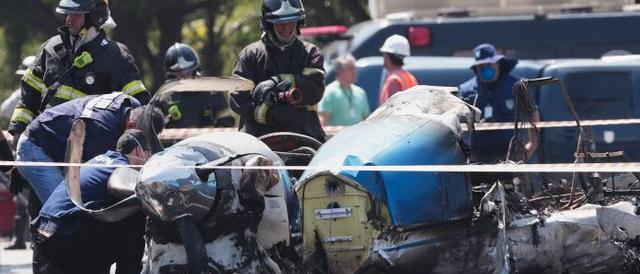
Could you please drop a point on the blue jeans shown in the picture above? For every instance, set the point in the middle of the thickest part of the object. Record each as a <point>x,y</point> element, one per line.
<point>43,180</point>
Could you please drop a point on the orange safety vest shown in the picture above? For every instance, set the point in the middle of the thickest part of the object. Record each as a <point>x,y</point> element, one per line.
<point>405,78</point>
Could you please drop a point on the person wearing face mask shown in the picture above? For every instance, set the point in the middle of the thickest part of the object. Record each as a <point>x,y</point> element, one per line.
<point>491,91</point>
<point>288,74</point>
<point>71,241</point>
<point>77,62</point>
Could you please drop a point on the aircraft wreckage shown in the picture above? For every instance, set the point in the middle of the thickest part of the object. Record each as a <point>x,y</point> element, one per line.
<point>208,219</point>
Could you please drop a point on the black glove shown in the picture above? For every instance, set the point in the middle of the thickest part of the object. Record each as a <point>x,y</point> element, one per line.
<point>18,183</point>
<point>16,128</point>
<point>263,90</point>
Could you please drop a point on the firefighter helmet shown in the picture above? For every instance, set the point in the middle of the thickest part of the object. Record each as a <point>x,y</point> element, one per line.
<point>181,59</point>
<point>281,11</point>
<point>96,11</point>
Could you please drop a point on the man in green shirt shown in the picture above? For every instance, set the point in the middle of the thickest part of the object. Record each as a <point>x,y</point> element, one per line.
<point>343,103</point>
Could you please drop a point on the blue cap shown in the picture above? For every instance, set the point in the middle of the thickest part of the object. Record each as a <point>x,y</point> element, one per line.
<point>486,54</point>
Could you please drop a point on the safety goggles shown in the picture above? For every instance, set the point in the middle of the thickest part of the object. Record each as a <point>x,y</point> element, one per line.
<point>275,5</point>
<point>71,6</point>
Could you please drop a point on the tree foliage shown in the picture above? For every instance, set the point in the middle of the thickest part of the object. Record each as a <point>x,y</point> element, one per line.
<point>217,29</point>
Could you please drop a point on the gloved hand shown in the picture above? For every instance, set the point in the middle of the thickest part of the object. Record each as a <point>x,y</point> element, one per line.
<point>263,90</point>
<point>18,183</point>
<point>16,128</point>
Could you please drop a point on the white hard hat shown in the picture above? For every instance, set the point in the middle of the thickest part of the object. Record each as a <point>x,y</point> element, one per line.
<point>396,44</point>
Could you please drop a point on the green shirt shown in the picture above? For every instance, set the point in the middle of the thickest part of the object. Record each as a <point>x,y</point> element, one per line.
<point>344,106</point>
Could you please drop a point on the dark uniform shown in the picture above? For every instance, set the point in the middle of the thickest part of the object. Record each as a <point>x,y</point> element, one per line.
<point>105,117</point>
<point>98,67</point>
<point>496,101</point>
<point>302,64</point>
<point>195,108</point>
<point>88,245</point>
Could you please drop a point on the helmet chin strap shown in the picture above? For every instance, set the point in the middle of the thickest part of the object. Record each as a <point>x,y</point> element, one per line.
<point>273,38</point>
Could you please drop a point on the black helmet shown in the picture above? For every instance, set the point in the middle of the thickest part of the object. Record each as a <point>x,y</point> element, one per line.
<point>96,11</point>
<point>181,58</point>
<point>280,11</point>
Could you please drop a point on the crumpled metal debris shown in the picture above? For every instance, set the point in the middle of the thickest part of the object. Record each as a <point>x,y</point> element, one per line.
<point>589,239</point>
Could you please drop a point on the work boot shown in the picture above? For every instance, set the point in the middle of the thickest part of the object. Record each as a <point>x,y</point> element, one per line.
<point>16,245</point>
<point>20,225</point>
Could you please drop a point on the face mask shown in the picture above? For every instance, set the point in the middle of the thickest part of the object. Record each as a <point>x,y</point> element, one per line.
<point>487,74</point>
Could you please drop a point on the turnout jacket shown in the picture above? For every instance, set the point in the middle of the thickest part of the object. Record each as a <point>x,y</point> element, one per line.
<point>302,64</point>
<point>99,66</point>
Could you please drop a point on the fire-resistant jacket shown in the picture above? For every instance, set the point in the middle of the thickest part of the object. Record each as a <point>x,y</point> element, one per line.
<point>302,64</point>
<point>98,67</point>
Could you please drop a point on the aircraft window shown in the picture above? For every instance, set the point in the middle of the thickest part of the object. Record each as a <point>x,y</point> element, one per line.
<point>601,95</point>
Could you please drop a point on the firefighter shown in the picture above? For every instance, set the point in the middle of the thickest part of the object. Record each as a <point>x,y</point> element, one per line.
<point>277,63</point>
<point>77,62</point>
<point>181,62</point>
<point>192,109</point>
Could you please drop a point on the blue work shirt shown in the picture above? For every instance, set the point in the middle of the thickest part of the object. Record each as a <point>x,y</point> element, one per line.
<point>495,100</point>
<point>105,118</point>
<point>59,214</point>
<point>497,103</point>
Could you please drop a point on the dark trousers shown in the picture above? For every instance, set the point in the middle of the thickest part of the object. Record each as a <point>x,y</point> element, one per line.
<point>33,208</point>
<point>20,219</point>
<point>93,247</point>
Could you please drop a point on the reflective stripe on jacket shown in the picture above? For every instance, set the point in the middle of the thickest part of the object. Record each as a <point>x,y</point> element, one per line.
<point>107,66</point>
<point>302,64</point>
